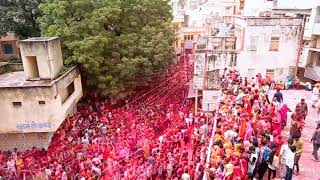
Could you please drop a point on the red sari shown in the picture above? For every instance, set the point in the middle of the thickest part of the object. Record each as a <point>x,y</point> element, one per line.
<point>244,169</point>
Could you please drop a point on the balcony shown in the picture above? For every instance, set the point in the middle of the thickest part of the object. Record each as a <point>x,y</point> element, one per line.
<point>315,45</point>
<point>312,72</point>
<point>316,28</point>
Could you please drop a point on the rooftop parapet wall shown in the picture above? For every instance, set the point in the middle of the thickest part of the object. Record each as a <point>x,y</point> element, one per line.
<point>268,21</point>
<point>10,67</point>
<point>274,21</point>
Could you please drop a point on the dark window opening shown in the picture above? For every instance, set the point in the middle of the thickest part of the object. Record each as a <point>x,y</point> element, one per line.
<point>16,104</point>
<point>67,92</point>
<point>8,49</point>
<point>42,102</point>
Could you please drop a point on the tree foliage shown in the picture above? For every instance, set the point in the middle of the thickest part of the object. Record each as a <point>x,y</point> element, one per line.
<point>20,17</point>
<point>115,41</point>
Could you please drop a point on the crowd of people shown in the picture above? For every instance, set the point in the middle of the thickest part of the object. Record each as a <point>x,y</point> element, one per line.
<point>157,135</point>
<point>148,137</point>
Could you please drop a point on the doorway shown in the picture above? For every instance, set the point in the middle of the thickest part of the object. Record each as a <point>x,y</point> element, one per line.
<point>32,65</point>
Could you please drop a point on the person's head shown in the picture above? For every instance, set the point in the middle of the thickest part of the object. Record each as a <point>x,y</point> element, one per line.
<point>186,170</point>
<point>227,160</point>
<point>302,100</point>
<point>296,139</point>
<point>241,149</point>
<point>278,90</point>
<point>252,149</point>
<point>267,137</point>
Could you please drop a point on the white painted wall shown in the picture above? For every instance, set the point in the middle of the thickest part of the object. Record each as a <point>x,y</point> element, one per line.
<point>254,7</point>
<point>299,4</point>
<point>259,61</point>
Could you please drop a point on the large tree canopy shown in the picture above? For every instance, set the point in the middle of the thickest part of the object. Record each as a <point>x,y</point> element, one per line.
<point>19,17</point>
<point>115,41</point>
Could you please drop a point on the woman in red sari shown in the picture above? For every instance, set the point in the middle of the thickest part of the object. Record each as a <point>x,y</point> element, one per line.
<point>276,122</point>
<point>247,108</point>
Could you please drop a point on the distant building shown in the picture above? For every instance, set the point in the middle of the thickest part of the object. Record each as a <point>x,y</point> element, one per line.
<point>312,69</point>
<point>289,8</point>
<point>268,45</point>
<point>9,47</point>
<point>36,97</point>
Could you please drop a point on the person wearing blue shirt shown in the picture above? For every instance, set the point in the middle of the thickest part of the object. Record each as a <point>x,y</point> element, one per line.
<point>279,96</point>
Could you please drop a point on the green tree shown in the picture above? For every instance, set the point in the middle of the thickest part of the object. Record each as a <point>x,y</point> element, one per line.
<point>115,41</point>
<point>20,17</point>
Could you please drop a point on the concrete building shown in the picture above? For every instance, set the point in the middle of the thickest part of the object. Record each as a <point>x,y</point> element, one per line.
<point>37,96</point>
<point>268,45</point>
<point>9,47</point>
<point>312,68</point>
<point>289,8</point>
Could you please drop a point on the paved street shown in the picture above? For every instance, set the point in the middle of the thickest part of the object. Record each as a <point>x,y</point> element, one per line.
<point>309,169</point>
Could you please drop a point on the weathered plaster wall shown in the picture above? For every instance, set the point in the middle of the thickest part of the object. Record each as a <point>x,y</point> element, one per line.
<point>35,117</point>
<point>253,62</point>
<point>24,141</point>
<point>48,54</point>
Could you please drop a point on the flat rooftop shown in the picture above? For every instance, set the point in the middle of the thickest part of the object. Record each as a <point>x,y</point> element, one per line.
<point>18,79</point>
<point>35,39</point>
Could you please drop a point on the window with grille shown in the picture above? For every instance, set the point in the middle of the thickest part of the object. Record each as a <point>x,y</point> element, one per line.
<point>274,44</point>
<point>253,43</point>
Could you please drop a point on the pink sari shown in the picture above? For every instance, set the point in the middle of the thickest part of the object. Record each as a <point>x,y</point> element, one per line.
<point>283,113</point>
<point>249,131</point>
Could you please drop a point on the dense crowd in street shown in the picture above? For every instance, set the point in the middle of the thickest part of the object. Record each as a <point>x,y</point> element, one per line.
<point>158,136</point>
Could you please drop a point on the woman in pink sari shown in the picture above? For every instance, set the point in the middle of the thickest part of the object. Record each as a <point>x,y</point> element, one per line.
<point>283,113</point>
<point>249,131</point>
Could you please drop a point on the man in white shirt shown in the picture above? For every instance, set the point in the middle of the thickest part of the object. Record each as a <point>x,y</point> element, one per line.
<point>290,162</point>
<point>266,89</point>
<point>230,134</point>
<point>315,95</point>
<point>240,97</point>
<point>282,157</point>
<point>185,175</point>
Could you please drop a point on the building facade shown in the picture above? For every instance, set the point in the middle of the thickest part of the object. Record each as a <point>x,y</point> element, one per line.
<point>36,97</point>
<point>9,48</point>
<point>268,45</point>
<point>312,67</point>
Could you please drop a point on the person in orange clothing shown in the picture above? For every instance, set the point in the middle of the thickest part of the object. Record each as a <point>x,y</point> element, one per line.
<point>243,127</point>
<point>19,164</point>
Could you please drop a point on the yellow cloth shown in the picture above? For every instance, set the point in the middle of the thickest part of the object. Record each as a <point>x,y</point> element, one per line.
<point>217,137</point>
<point>229,169</point>
<point>299,146</point>
<point>19,164</point>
